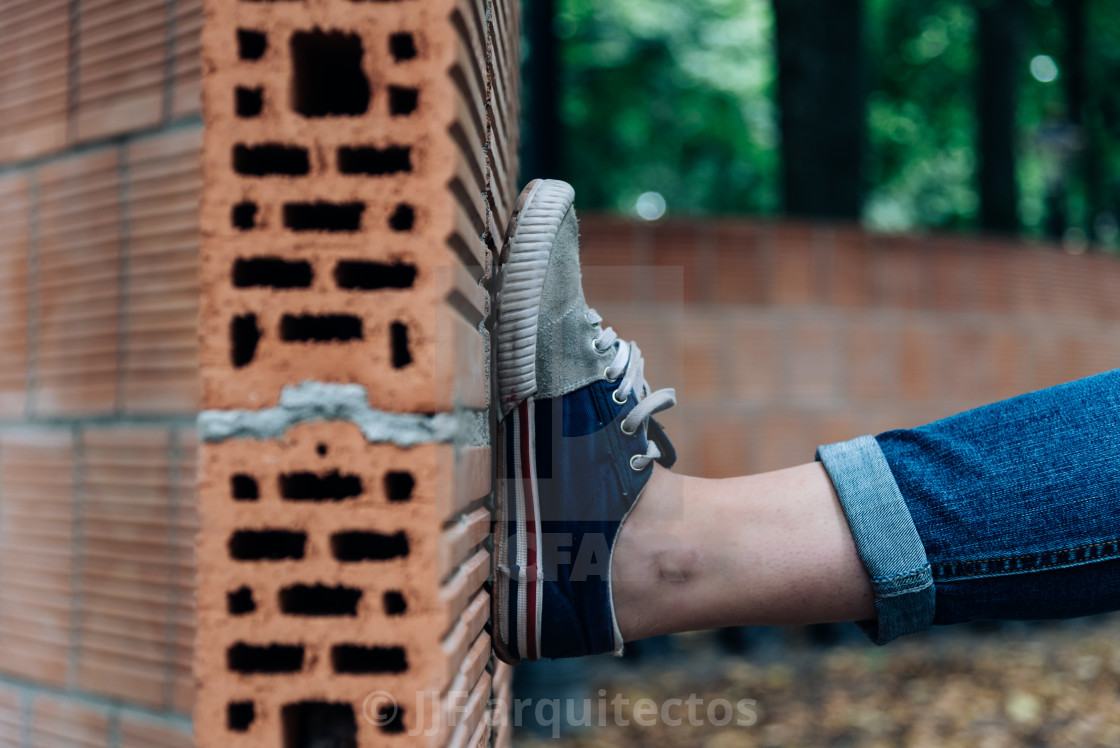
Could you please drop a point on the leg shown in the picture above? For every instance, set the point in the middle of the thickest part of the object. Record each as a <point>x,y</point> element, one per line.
<point>761,549</point>
<point>1009,511</point>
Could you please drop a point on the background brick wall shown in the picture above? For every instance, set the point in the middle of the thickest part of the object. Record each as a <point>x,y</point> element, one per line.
<point>780,337</point>
<point>99,184</point>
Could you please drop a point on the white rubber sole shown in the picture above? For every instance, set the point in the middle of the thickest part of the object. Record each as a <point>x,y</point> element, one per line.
<point>522,265</point>
<point>540,209</point>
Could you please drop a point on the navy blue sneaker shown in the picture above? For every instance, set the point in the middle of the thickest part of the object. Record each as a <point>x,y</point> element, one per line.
<point>576,441</point>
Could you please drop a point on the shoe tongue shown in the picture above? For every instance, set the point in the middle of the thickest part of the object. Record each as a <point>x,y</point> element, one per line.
<point>566,357</point>
<point>657,435</point>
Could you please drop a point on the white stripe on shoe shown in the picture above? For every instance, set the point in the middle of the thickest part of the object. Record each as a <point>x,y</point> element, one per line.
<point>536,578</point>
<point>519,508</point>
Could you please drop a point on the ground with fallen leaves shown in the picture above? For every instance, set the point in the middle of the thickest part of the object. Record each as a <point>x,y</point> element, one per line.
<point>1042,685</point>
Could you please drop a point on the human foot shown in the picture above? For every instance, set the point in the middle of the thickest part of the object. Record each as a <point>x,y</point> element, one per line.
<point>576,441</point>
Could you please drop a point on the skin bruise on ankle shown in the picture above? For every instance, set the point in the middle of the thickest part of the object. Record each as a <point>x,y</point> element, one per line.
<point>674,563</point>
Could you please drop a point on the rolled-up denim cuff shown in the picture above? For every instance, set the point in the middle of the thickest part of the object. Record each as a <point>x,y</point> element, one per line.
<point>885,535</point>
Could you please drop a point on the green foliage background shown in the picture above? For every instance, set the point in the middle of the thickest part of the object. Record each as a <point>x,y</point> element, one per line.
<point>671,97</point>
<point>679,98</point>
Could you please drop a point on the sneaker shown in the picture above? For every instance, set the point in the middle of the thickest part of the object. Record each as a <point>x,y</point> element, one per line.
<point>577,441</point>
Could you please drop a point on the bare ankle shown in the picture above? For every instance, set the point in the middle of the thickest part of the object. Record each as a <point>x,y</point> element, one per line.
<point>651,560</point>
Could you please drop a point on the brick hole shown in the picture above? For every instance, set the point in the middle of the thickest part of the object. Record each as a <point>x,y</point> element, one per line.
<point>374,161</point>
<point>394,603</point>
<point>270,159</point>
<point>243,216</point>
<point>399,485</point>
<point>244,487</point>
<point>390,718</point>
<point>319,600</point>
<point>240,715</point>
<point>357,545</point>
<point>244,334</point>
<point>332,486</point>
<point>319,724</point>
<point>358,659</point>
<point>402,46</point>
<point>320,328</point>
<point>251,45</point>
<point>403,101</point>
<point>321,449</point>
<point>270,658</point>
<point>363,275</point>
<point>327,77</point>
<point>403,218</point>
<point>248,102</point>
<point>398,343</point>
<point>271,272</point>
<point>267,545</point>
<point>240,602</point>
<point>323,216</point>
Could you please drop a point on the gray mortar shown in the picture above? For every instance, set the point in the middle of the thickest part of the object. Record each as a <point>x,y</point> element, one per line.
<point>318,401</point>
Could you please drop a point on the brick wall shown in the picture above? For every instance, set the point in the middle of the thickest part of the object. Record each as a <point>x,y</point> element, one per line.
<point>782,336</point>
<point>355,157</point>
<point>99,182</point>
<point>100,176</point>
<point>778,337</point>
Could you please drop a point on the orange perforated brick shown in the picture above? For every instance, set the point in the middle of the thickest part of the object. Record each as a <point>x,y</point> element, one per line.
<point>349,178</point>
<point>15,217</point>
<point>78,284</point>
<point>37,551</point>
<point>33,88</point>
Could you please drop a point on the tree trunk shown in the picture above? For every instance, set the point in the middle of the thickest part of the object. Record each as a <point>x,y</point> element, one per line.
<point>822,96</point>
<point>1073,76</point>
<point>1000,41</point>
<point>541,144</point>
<point>1082,106</point>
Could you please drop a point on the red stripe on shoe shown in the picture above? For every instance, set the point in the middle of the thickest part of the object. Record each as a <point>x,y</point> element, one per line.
<point>530,531</point>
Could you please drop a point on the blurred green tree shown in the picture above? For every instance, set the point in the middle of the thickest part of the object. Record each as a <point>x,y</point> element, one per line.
<point>1100,118</point>
<point>669,97</point>
<point>921,116</point>
<point>681,99</point>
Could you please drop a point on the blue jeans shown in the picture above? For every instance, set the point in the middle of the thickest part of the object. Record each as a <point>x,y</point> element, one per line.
<point>1009,511</point>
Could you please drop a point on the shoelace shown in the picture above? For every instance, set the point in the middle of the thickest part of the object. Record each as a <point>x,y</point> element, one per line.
<point>628,362</point>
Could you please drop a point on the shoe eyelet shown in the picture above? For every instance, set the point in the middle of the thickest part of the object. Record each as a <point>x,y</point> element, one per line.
<point>624,431</point>
<point>607,377</point>
<point>633,467</point>
<point>623,401</point>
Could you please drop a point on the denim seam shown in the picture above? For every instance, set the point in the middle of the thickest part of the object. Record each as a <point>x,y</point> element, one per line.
<point>1035,561</point>
<point>902,575</point>
<point>908,591</point>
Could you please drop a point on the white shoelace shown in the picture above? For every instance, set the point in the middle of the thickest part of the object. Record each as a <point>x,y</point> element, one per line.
<point>628,362</point>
